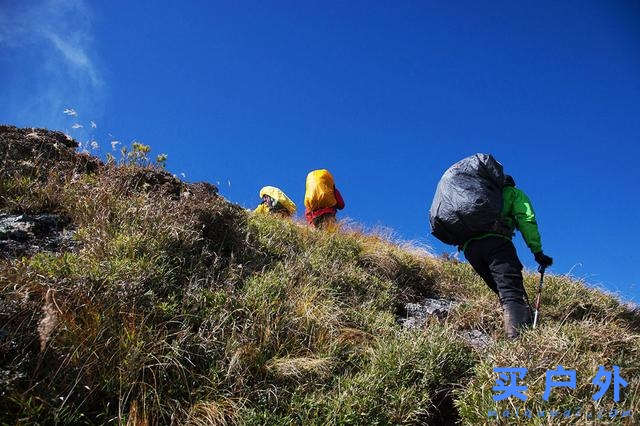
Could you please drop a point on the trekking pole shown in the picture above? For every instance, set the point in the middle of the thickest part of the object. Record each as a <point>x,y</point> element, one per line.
<point>535,315</point>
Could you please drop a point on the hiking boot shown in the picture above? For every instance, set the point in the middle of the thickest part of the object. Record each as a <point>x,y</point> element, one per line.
<point>516,316</point>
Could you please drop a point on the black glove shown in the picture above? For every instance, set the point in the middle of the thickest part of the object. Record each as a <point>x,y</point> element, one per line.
<point>543,260</point>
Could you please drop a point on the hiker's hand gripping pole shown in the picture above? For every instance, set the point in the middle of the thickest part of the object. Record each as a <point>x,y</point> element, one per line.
<point>535,315</point>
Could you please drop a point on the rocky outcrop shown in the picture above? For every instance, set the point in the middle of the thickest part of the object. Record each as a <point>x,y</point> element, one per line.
<point>35,153</point>
<point>25,235</point>
<point>417,315</point>
<point>476,338</point>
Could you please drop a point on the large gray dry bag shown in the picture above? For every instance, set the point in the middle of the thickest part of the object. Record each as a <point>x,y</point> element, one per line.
<point>468,200</point>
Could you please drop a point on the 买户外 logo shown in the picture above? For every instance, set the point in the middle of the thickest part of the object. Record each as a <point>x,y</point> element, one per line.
<point>507,386</point>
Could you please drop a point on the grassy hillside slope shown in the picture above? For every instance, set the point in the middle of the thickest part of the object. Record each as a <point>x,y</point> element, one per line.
<point>173,305</point>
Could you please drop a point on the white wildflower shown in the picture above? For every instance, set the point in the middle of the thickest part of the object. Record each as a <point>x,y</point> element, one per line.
<point>68,137</point>
<point>94,145</point>
<point>76,126</point>
<point>82,147</point>
<point>229,182</point>
<point>70,111</point>
<point>114,144</point>
<point>93,124</point>
<point>183,175</point>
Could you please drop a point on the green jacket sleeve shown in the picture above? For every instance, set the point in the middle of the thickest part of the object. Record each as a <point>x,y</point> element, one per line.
<point>526,221</point>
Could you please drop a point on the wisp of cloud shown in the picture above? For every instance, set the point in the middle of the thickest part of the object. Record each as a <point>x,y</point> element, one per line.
<point>47,46</point>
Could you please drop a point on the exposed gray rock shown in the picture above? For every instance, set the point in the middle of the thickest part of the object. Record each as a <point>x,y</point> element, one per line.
<point>25,235</point>
<point>418,313</point>
<point>477,338</point>
<point>14,228</point>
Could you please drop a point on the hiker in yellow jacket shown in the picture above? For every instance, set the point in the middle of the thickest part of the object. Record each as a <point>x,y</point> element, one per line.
<point>321,199</point>
<point>275,201</point>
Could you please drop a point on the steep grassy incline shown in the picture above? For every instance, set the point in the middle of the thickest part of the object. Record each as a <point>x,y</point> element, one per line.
<point>173,305</point>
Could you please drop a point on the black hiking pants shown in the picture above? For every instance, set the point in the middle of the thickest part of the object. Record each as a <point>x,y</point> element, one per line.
<point>496,261</point>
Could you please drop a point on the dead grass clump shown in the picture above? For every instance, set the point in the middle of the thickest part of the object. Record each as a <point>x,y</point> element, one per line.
<point>221,412</point>
<point>300,367</point>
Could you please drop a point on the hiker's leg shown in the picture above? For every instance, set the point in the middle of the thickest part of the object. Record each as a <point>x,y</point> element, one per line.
<point>507,274</point>
<point>325,221</point>
<point>330,222</point>
<point>476,254</point>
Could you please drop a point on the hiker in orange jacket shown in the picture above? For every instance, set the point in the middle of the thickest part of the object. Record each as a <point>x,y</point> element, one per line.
<point>322,199</point>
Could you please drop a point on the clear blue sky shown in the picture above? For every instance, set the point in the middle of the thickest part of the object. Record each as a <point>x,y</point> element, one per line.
<point>385,95</point>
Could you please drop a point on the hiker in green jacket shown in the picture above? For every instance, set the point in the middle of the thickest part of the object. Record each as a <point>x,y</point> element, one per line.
<point>494,257</point>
